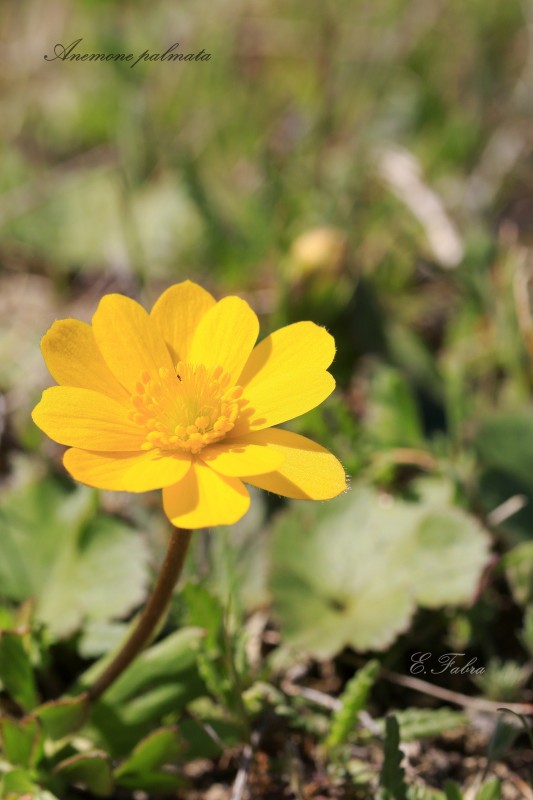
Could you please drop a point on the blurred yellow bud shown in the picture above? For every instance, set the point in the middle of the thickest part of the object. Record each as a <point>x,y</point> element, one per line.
<point>319,250</point>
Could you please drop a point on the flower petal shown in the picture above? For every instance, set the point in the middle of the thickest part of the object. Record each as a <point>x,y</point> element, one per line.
<point>285,376</point>
<point>309,472</point>
<point>86,419</point>
<point>73,359</point>
<point>129,340</point>
<point>177,314</point>
<point>204,498</point>
<point>240,457</point>
<point>225,336</point>
<point>126,472</point>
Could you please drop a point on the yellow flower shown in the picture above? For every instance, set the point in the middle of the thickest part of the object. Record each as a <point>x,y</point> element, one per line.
<point>182,399</point>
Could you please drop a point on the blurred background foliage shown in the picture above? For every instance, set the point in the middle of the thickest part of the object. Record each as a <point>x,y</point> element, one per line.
<point>363,164</point>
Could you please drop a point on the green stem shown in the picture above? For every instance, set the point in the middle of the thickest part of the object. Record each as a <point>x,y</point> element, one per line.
<point>151,615</point>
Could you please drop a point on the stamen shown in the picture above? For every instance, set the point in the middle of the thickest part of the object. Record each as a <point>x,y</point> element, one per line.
<point>187,409</point>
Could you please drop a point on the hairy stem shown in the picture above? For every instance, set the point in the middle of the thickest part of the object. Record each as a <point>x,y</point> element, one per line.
<point>151,615</point>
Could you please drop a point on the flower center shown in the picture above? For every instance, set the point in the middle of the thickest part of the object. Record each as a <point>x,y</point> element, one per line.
<point>186,409</point>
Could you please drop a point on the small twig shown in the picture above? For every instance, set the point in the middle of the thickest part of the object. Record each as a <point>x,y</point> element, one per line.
<point>241,779</point>
<point>320,698</point>
<point>402,172</point>
<point>295,771</point>
<point>369,723</point>
<point>255,628</point>
<point>506,509</point>
<point>207,728</point>
<point>478,703</point>
<point>508,142</point>
<point>326,701</point>
<point>458,699</point>
<point>521,785</point>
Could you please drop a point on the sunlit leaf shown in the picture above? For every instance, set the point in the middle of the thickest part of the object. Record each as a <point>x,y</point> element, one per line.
<point>77,565</point>
<point>352,572</point>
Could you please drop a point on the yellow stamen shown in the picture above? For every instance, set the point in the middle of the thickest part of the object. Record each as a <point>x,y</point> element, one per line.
<point>187,409</point>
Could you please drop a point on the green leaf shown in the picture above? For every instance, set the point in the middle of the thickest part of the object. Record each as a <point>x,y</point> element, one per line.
<point>78,566</point>
<point>503,681</point>
<point>490,791</point>
<point>94,194</point>
<point>159,748</point>
<point>101,575</point>
<point>62,717</point>
<point>144,768</point>
<point>453,791</point>
<point>16,673</point>
<point>419,791</point>
<point>503,737</point>
<point>518,566</point>
<point>37,519</point>
<point>21,740</point>
<point>18,784</point>
<point>92,770</point>
<point>167,661</point>
<point>352,700</point>
<point>391,778</point>
<point>204,611</point>
<point>449,552</point>
<point>525,724</point>
<point>154,703</point>
<point>393,419</point>
<point>207,736</point>
<point>15,783</point>
<point>420,723</point>
<point>161,681</point>
<point>238,558</point>
<point>414,359</point>
<point>506,442</point>
<point>101,636</point>
<point>160,782</point>
<point>526,635</point>
<point>351,572</point>
<point>7,619</point>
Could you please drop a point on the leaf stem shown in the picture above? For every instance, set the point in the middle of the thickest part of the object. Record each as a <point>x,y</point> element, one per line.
<point>151,615</point>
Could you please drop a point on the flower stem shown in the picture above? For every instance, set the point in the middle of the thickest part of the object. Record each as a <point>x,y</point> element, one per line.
<point>151,615</point>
